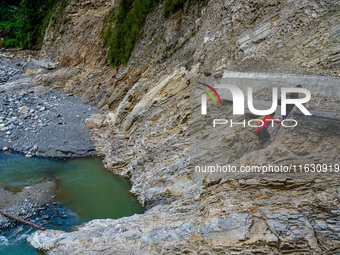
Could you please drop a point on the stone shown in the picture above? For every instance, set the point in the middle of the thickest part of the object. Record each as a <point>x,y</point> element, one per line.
<point>95,121</point>
<point>23,109</point>
<point>25,126</point>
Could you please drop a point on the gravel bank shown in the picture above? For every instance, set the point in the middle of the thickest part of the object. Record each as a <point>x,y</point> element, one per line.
<point>30,203</point>
<point>39,121</point>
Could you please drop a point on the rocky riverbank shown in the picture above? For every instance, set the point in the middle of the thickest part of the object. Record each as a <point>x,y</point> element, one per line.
<point>36,204</point>
<point>30,204</point>
<point>147,119</point>
<point>257,224</point>
<point>8,69</point>
<point>39,121</point>
<point>13,64</point>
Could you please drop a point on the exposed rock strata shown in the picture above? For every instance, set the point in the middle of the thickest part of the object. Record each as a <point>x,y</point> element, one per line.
<point>142,130</point>
<point>290,220</point>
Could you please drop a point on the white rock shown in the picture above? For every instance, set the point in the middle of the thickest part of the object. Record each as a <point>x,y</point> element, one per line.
<point>23,109</point>
<point>95,121</point>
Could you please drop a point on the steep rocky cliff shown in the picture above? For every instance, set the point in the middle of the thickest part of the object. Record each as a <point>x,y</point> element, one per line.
<point>145,121</point>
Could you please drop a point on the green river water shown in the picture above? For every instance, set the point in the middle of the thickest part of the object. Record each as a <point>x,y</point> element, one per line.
<point>85,190</point>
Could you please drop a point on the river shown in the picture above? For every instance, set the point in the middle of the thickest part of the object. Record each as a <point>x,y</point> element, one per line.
<point>85,190</point>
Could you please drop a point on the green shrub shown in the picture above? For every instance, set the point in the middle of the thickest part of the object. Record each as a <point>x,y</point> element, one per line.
<point>122,28</point>
<point>170,6</point>
<point>10,43</point>
<point>28,19</point>
<point>37,14</point>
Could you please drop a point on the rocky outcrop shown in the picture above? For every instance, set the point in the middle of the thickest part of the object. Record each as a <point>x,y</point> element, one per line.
<point>146,125</point>
<point>273,217</point>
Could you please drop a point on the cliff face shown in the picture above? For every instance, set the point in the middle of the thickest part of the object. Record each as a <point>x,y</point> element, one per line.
<point>142,129</point>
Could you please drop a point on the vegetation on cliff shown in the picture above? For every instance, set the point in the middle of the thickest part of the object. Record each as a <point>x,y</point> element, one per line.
<point>122,26</point>
<point>171,5</point>
<point>25,21</point>
<point>127,20</point>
